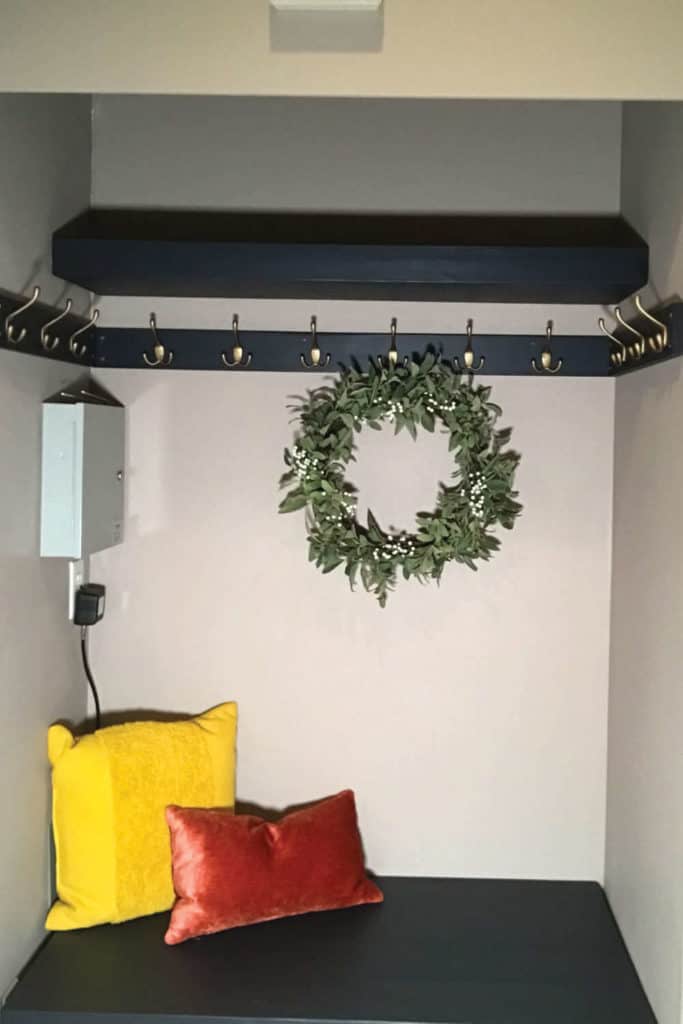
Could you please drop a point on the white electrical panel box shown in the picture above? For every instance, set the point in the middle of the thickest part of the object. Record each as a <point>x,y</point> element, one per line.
<point>82,474</point>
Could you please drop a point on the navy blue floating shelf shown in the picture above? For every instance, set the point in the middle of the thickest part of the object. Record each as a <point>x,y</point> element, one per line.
<point>398,257</point>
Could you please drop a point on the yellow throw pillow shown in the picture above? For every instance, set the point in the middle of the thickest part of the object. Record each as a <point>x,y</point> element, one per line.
<point>110,790</point>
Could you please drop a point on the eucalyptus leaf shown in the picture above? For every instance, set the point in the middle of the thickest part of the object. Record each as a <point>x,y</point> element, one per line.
<point>292,502</point>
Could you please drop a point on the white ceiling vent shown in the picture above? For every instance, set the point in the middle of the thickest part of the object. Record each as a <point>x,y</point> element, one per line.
<point>326,26</point>
<point>326,5</point>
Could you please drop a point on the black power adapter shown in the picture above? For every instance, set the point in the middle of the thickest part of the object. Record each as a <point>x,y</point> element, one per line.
<point>89,609</point>
<point>89,604</point>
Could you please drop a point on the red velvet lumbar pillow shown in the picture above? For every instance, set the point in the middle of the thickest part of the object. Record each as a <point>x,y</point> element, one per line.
<point>231,870</point>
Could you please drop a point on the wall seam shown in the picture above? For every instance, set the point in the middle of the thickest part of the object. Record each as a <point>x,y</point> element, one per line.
<point>610,602</point>
<point>93,160</point>
<point>620,165</point>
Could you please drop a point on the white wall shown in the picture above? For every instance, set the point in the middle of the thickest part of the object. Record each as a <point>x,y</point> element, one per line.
<point>644,861</point>
<point>530,49</point>
<point>480,706</point>
<point>356,155</point>
<point>471,719</point>
<point>44,178</point>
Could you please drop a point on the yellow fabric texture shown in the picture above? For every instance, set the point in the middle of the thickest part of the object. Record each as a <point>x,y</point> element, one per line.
<point>110,790</point>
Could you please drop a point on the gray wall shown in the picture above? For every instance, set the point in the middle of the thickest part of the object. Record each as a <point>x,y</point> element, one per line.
<point>350,154</point>
<point>644,860</point>
<point>44,178</point>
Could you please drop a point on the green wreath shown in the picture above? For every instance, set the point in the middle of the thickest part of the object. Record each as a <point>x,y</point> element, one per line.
<point>459,528</point>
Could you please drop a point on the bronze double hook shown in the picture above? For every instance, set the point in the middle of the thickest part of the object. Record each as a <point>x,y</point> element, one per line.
<point>656,342</point>
<point>547,355</point>
<point>620,356</point>
<point>49,343</point>
<point>636,350</point>
<point>162,357</point>
<point>659,341</point>
<point>75,348</point>
<point>15,339</point>
<point>392,358</point>
<point>468,355</point>
<point>315,356</point>
<point>238,355</point>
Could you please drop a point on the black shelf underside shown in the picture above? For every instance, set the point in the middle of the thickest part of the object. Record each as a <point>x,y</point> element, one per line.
<point>438,951</point>
<point>352,256</point>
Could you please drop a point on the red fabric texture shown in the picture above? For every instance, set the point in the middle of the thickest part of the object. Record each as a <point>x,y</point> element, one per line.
<point>231,870</point>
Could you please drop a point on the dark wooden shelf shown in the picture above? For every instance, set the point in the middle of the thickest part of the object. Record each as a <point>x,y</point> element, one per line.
<point>439,951</point>
<point>352,256</point>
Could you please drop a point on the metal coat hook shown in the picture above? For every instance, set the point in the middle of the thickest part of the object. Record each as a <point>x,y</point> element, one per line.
<point>547,355</point>
<point>659,341</point>
<point>9,325</point>
<point>48,343</point>
<point>392,357</point>
<point>237,349</point>
<point>637,349</point>
<point>620,357</point>
<point>161,356</point>
<point>74,347</point>
<point>468,354</point>
<point>315,355</point>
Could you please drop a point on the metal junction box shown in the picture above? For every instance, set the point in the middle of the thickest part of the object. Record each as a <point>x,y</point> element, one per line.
<point>82,474</point>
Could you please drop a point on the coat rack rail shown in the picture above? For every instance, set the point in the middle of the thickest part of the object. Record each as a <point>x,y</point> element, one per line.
<point>646,338</point>
<point>324,352</point>
<point>650,337</point>
<point>35,328</point>
<point>52,332</point>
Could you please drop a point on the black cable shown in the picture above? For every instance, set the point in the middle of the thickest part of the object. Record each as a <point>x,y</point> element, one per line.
<point>91,681</point>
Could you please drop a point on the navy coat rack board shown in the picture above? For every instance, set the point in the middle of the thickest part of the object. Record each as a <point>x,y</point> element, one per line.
<point>540,355</point>
<point>49,332</point>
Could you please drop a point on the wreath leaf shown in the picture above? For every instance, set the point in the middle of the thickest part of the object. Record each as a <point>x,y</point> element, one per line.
<point>293,501</point>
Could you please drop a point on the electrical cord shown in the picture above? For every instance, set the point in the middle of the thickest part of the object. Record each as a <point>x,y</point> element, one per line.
<point>91,681</point>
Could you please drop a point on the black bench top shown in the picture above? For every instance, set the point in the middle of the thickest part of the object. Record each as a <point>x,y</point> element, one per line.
<point>438,951</point>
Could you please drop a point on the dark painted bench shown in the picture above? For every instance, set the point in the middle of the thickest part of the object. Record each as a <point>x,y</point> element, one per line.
<point>447,951</point>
